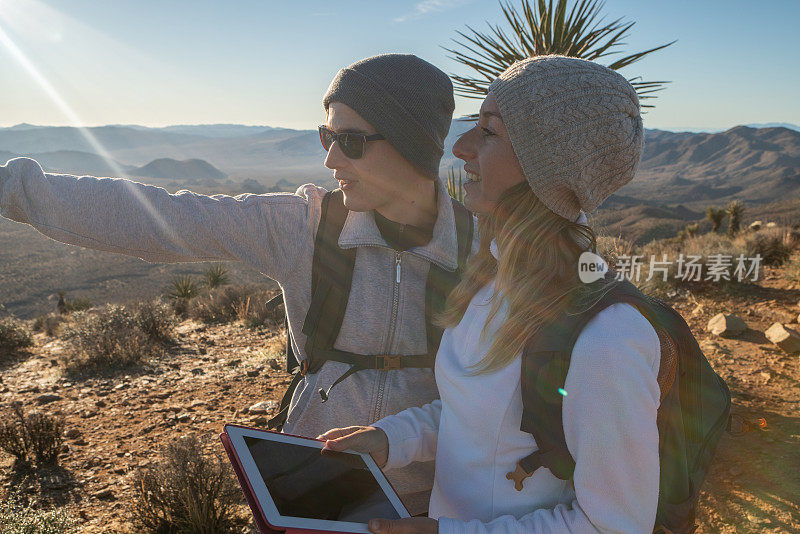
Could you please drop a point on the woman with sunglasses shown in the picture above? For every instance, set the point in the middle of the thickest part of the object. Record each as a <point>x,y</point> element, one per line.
<point>555,137</point>
<point>386,120</point>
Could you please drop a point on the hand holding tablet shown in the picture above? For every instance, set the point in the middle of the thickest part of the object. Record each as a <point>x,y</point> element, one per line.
<point>367,439</point>
<point>290,485</point>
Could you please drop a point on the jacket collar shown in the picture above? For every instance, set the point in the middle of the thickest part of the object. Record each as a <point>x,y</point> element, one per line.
<point>360,230</point>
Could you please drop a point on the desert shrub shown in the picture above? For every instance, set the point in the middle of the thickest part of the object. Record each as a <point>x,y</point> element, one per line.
<point>49,323</point>
<point>183,288</point>
<point>735,211</point>
<point>232,303</point>
<point>181,292</point>
<point>771,244</point>
<point>13,338</point>
<point>791,270</point>
<point>78,304</point>
<point>156,319</point>
<point>215,276</point>
<point>186,491</point>
<point>715,216</point>
<point>19,518</point>
<point>115,337</point>
<point>691,229</point>
<point>31,435</point>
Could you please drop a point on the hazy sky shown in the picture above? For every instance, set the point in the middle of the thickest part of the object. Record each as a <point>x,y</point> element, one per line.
<point>156,62</point>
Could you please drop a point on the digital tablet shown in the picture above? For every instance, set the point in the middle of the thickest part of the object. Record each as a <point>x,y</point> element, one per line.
<point>294,486</point>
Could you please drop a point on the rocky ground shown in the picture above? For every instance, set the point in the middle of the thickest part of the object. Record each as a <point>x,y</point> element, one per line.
<point>215,373</point>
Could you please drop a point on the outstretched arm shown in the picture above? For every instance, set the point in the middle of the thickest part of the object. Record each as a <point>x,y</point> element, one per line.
<point>117,215</point>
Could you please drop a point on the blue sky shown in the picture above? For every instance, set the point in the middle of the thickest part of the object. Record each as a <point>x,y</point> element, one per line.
<point>269,62</point>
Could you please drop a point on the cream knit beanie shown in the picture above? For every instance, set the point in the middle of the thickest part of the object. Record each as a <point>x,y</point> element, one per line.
<point>575,128</point>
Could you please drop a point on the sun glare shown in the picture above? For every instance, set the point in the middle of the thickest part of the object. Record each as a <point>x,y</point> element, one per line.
<point>14,51</point>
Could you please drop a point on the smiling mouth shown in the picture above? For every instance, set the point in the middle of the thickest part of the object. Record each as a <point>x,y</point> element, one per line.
<point>344,185</point>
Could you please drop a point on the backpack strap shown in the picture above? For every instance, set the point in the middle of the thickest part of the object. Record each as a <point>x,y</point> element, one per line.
<point>545,363</point>
<point>331,276</point>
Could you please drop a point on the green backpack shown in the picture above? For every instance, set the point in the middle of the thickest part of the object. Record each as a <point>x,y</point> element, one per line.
<point>694,411</point>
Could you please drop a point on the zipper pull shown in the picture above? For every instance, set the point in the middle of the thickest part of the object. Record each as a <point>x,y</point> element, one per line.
<point>397,267</point>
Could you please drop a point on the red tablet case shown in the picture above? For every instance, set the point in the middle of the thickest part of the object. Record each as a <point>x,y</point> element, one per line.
<point>261,520</point>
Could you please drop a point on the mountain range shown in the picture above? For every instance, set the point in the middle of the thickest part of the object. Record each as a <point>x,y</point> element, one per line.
<point>693,170</point>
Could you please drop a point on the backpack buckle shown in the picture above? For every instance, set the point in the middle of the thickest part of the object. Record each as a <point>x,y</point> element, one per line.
<point>388,362</point>
<point>518,475</point>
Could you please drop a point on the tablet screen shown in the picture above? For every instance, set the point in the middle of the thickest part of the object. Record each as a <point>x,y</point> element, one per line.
<point>304,483</point>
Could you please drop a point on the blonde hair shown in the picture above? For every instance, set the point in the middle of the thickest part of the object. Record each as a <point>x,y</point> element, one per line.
<point>537,273</point>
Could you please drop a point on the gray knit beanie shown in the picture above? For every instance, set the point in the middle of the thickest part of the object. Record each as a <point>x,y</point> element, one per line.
<point>406,99</point>
<point>575,128</point>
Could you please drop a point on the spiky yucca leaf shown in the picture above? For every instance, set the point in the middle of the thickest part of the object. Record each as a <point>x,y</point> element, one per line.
<point>455,184</point>
<point>541,29</point>
<point>183,287</point>
<point>216,276</point>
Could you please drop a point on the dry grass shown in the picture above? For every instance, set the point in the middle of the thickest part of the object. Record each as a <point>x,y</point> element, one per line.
<point>14,337</point>
<point>116,337</point>
<point>32,435</point>
<point>235,303</point>
<point>774,245</point>
<point>187,491</point>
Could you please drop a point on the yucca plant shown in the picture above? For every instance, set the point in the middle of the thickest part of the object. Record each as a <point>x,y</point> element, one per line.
<point>216,276</point>
<point>715,216</point>
<point>735,211</point>
<point>539,28</point>
<point>183,288</point>
<point>691,229</point>
<point>455,184</point>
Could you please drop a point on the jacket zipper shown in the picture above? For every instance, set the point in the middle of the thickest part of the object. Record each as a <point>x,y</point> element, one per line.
<point>392,325</point>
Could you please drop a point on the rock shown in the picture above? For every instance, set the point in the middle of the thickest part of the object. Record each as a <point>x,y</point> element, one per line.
<point>786,338</point>
<point>100,404</point>
<point>756,225</point>
<point>771,225</point>
<point>105,495</point>
<point>184,417</point>
<point>252,373</point>
<point>274,364</point>
<point>260,421</point>
<point>262,407</point>
<point>72,433</point>
<point>724,324</point>
<point>234,363</point>
<point>47,398</point>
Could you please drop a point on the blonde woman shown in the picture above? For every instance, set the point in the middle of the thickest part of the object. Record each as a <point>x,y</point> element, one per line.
<point>555,137</point>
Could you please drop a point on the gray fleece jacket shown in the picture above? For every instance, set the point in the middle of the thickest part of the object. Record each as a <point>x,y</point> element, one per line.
<point>274,233</point>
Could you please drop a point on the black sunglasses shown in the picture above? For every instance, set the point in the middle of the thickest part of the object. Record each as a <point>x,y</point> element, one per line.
<point>352,144</point>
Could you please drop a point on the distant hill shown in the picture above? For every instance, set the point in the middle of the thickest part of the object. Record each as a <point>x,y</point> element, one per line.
<point>194,170</point>
<point>209,130</point>
<point>72,162</point>
<point>758,165</point>
<point>788,125</point>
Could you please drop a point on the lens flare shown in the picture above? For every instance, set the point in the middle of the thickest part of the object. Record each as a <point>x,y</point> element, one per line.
<point>55,97</point>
